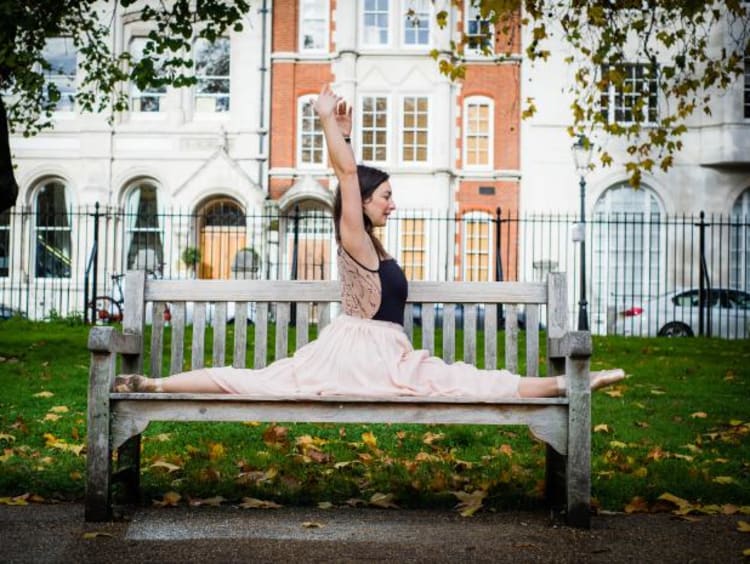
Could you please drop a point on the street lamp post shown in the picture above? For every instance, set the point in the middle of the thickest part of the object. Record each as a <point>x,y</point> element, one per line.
<point>582,149</point>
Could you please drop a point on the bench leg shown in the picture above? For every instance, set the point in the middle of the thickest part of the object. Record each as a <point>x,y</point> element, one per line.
<point>554,481</point>
<point>98,454</point>
<point>129,469</point>
<point>578,471</point>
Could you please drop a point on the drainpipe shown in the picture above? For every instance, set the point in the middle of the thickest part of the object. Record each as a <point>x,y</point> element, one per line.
<point>262,132</point>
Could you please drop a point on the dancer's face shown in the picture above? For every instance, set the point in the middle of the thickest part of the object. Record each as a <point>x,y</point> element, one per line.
<point>380,205</point>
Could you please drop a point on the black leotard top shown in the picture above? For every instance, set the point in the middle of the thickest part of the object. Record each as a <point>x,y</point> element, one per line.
<point>393,288</point>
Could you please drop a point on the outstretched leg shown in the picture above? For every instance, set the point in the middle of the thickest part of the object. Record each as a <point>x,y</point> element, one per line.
<point>195,381</point>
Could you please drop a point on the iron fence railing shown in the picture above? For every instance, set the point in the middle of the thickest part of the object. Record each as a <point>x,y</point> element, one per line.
<point>641,269</point>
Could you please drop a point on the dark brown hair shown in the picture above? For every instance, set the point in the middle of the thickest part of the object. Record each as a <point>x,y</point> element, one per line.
<point>369,179</point>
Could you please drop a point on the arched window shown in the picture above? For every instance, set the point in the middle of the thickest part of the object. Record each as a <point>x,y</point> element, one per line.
<point>311,151</point>
<point>477,247</point>
<point>478,133</point>
<point>739,243</point>
<point>143,230</point>
<point>52,231</point>
<point>627,237</point>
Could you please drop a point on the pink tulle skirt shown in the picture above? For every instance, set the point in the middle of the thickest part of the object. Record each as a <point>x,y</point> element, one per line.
<point>365,358</point>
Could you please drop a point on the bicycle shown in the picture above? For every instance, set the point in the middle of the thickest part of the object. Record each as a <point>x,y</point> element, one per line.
<point>109,308</point>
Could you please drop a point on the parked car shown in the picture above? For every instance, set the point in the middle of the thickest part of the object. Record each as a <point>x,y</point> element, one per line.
<point>676,314</point>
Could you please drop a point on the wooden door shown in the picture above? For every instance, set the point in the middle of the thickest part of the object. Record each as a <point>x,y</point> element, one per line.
<point>218,246</point>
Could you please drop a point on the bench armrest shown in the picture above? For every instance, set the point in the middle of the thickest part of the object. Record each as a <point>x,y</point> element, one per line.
<point>109,340</point>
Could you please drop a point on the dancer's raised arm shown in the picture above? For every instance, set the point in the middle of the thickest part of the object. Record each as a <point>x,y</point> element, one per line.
<point>336,118</point>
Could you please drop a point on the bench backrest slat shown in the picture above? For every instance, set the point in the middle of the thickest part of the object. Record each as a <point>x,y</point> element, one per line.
<point>428,327</point>
<point>261,335</point>
<point>470,333</point>
<point>282,329</point>
<point>133,321</point>
<point>199,332</point>
<point>220,334</point>
<point>511,338</point>
<point>532,340</point>
<point>240,335</point>
<point>490,337</point>
<point>408,323</point>
<point>157,338</point>
<point>449,332</point>
<point>302,324</point>
<point>177,322</point>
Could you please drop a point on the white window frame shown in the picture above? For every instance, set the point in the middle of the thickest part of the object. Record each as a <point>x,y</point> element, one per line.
<point>612,94</point>
<point>479,101</point>
<point>37,229</point>
<point>301,102</point>
<point>388,127</point>
<point>323,8</point>
<point>477,216</point>
<point>402,130</point>
<point>53,75</point>
<point>136,94</point>
<point>470,12</point>
<point>389,19</point>
<point>427,10</point>
<point>227,78</point>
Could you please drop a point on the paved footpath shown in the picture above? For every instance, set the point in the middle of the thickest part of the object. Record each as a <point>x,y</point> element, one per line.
<point>58,533</point>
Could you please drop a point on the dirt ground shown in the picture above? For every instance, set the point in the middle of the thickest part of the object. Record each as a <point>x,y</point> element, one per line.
<point>58,533</point>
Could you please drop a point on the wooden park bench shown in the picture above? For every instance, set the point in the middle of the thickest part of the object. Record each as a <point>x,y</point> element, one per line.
<point>116,420</point>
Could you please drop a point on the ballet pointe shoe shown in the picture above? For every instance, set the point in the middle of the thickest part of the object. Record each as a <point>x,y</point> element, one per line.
<point>598,379</point>
<point>129,383</point>
<point>603,378</point>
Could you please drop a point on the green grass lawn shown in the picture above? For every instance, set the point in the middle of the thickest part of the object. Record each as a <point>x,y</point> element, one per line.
<point>680,424</point>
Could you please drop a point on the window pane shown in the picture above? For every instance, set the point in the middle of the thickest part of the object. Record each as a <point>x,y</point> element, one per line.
<point>477,136</point>
<point>212,63</point>
<point>314,25</point>
<point>375,19</point>
<point>414,138</point>
<point>150,99</point>
<point>60,53</point>
<point>374,127</point>
<point>53,241</point>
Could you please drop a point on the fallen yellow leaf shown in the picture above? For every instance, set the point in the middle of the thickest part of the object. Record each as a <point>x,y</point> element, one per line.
<point>216,451</point>
<point>658,392</point>
<point>470,503</point>
<point>325,505</point>
<point>617,444</point>
<point>723,480</point>
<point>430,438</point>
<point>601,428</point>
<point>743,526</point>
<point>44,394</point>
<point>616,393</point>
<point>94,534</point>
<point>51,417</point>
<point>641,472</point>
<point>17,500</point>
<point>7,437</point>
<point>383,500</point>
<point>253,503</point>
<point>170,499</point>
<point>699,415</point>
<point>59,409</point>
<point>370,440</point>
<point>637,505</point>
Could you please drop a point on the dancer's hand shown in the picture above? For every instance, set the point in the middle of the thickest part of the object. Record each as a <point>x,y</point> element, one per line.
<point>327,103</point>
<point>344,118</point>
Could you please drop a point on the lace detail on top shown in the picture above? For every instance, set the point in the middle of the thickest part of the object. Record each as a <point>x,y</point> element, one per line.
<point>360,287</point>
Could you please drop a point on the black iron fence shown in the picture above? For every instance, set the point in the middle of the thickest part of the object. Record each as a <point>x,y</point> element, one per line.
<point>646,274</point>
